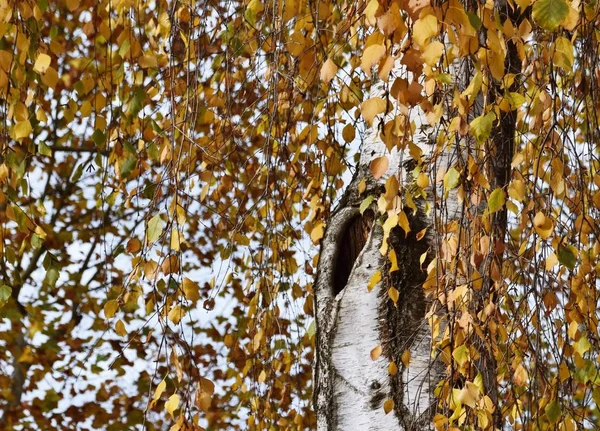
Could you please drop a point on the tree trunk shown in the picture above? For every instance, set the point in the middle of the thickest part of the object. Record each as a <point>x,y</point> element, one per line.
<point>352,381</point>
<point>352,384</point>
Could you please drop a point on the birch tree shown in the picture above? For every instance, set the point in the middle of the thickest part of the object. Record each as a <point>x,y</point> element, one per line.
<point>331,215</point>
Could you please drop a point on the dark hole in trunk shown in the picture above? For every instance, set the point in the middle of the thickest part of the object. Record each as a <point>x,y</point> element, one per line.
<point>352,243</point>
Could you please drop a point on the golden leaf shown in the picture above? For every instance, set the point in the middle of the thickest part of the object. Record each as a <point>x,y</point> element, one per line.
<point>172,404</point>
<point>424,29</point>
<point>376,278</point>
<point>379,166</point>
<point>371,57</point>
<point>394,294</point>
<point>376,352</point>
<point>110,308</point>
<point>328,71</point>
<point>42,63</point>
<point>388,405</point>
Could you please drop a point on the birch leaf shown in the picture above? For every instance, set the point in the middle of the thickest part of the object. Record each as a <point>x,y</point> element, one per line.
<point>496,200</point>
<point>371,108</point>
<point>549,13</point>
<point>376,352</point>
<point>172,404</point>
<point>154,229</point>
<point>42,63</point>
<point>328,71</point>
<point>379,166</point>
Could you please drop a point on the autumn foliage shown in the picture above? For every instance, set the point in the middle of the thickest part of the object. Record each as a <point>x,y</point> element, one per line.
<point>167,170</point>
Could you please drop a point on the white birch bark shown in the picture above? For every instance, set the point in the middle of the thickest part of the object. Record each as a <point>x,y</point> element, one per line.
<point>350,388</point>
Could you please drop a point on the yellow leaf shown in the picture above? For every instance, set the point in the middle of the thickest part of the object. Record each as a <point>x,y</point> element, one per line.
<point>433,52</point>
<point>379,166</point>
<point>203,401</point>
<point>176,240</point>
<point>120,328</point>
<point>573,329</point>
<point>317,232</point>
<point>42,63</point>
<point>348,133</point>
<point>393,260</point>
<point>543,225</point>
<point>170,265</point>
<point>172,404</point>
<point>376,278</point>
<point>516,190</point>
<point>403,222</point>
<point>405,358</point>
<point>148,60</point>
<point>328,71</point>
<point>563,53</point>
<point>371,57</point>
<point>110,308</point>
<point>388,405</point>
<point>424,29</point>
<point>422,180</point>
<point>551,261</point>
<point>392,368</point>
<point>376,352</point>
<point>371,11</point>
<point>176,314</point>
<point>206,386</point>
<point>469,395</point>
<point>372,107</point>
<point>520,375</point>
<point>496,200</point>
<point>191,290</point>
<point>72,5</point>
<point>564,372</point>
<point>22,130</point>
<point>391,20</point>
<point>362,186</point>
<point>50,78</point>
<point>41,115</point>
<point>262,376</point>
<point>159,390</point>
<point>394,294</point>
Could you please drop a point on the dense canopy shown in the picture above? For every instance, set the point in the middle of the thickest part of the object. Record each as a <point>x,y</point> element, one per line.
<point>168,168</point>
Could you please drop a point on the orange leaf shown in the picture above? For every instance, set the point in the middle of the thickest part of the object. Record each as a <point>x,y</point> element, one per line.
<point>379,166</point>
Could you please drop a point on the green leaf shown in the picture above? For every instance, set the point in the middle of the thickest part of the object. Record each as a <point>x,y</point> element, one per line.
<point>99,138</point>
<point>548,14</point>
<point>366,203</point>
<point>567,256</point>
<point>52,277</point>
<point>5,292</point>
<point>77,173</point>
<point>128,167</point>
<point>451,179</point>
<point>496,200</point>
<point>474,20</point>
<point>154,229</point>
<point>44,150</point>
<point>553,412</point>
<point>137,102</point>
<point>481,127</point>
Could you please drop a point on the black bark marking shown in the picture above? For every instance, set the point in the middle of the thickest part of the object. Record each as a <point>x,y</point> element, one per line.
<point>353,241</point>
